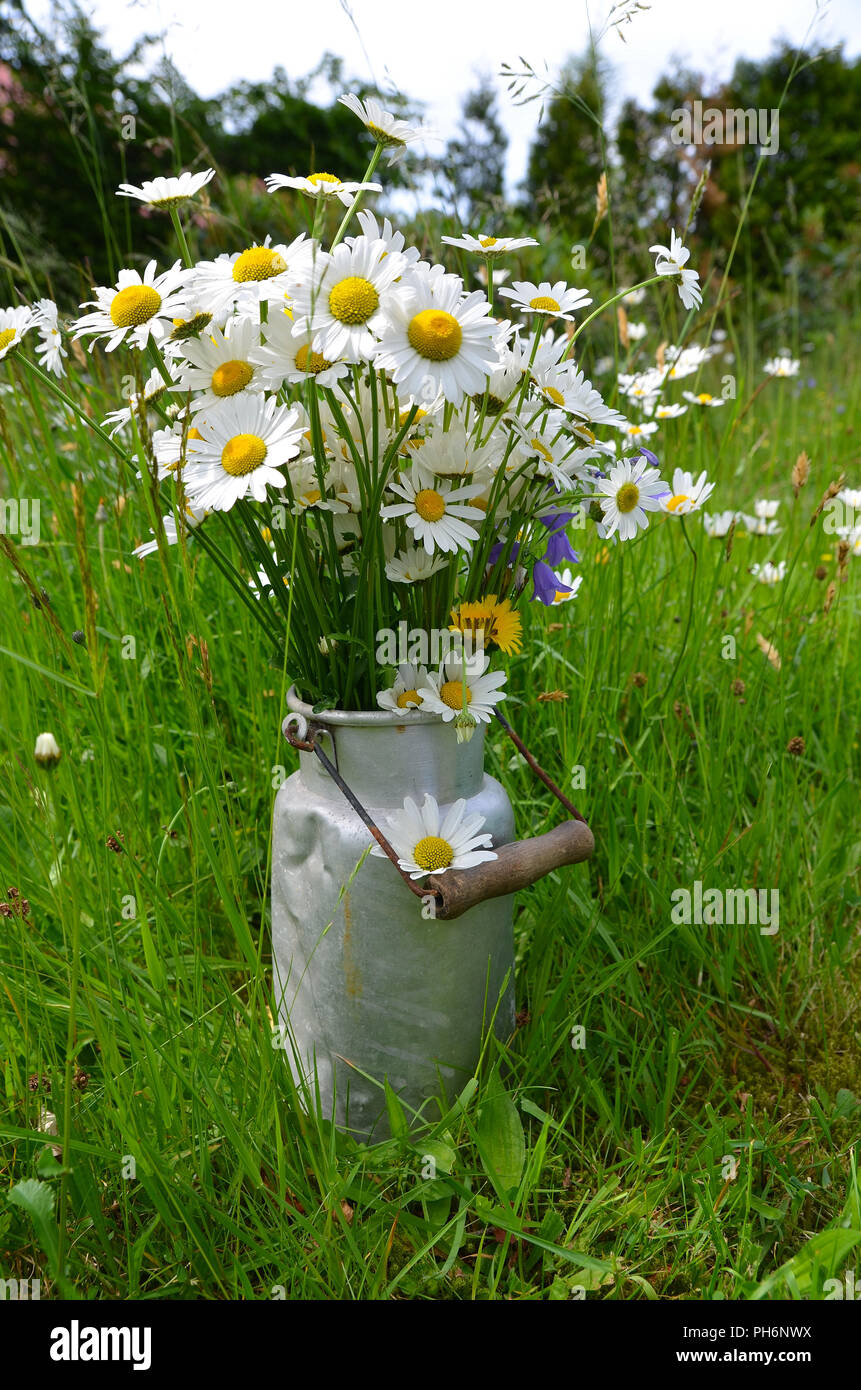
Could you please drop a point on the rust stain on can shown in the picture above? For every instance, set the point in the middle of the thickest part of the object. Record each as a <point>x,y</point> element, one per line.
<point>352,974</point>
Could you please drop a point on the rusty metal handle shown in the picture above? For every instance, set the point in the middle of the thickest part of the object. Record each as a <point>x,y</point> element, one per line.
<point>516,866</point>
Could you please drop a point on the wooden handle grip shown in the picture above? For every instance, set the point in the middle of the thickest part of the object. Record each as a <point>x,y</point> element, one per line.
<point>516,866</point>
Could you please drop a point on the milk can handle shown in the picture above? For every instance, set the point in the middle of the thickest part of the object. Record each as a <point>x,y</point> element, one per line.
<point>517,865</point>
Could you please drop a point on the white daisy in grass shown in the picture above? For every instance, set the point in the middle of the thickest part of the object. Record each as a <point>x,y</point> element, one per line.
<point>344,302</point>
<point>546,298</point>
<point>642,430</point>
<point>166,193</point>
<point>14,323</point>
<point>154,390</point>
<point>850,497</point>
<point>284,356</point>
<point>392,241</point>
<point>571,583</point>
<point>490,246</point>
<point>583,400</point>
<point>444,692</point>
<point>219,365</point>
<point>555,452</point>
<point>769,573</point>
<point>781,366</point>
<point>631,489</point>
<point>303,482</point>
<point>246,278</point>
<point>404,694</point>
<point>640,386</point>
<point>321,186</point>
<point>685,361</point>
<point>718,524</point>
<point>192,518</point>
<point>636,331</point>
<point>687,495</point>
<point>437,514</point>
<point>136,309</point>
<point>664,412</point>
<point>499,275</point>
<point>412,565</point>
<point>428,843</point>
<point>766,507</point>
<point>671,260</point>
<point>243,444</point>
<point>704,398</point>
<point>388,130</point>
<point>759,525</point>
<point>170,447</point>
<point>438,339</point>
<point>50,351</point>
<point>452,452</point>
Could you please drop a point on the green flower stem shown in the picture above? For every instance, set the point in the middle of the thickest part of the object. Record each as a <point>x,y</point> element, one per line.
<point>180,236</point>
<point>354,206</point>
<point>608,304</point>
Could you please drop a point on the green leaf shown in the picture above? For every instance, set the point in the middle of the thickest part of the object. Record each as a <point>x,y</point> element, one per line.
<point>37,1200</point>
<point>397,1119</point>
<point>501,1144</point>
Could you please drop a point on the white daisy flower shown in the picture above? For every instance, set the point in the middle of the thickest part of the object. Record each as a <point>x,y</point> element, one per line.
<point>582,399</point>
<point>404,694</point>
<point>631,489</point>
<point>443,693</point>
<point>154,388</point>
<point>765,507</point>
<point>635,296</point>
<point>413,565</point>
<point>284,356</point>
<point>718,525</point>
<point>425,844</point>
<point>759,525</point>
<point>452,452</point>
<point>438,339</point>
<point>704,398</point>
<point>782,366</point>
<point>243,280</point>
<point>243,443</point>
<point>641,431</point>
<point>14,323</point>
<point>437,515</point>
<point>671,260</point>
<point>193,518</point>
<point>387,130</point>
<point>665,412</point>
<point>219,364</point>
<point>136,309</point>
<point>321,186</point>
<point>850,497</point>
<point>687,495</point>
<point>556,454</point>
<point>545,298</point>
<point>571,583</point>
<point>489,246</point>
<point>345,302</point>
<point>637,331</point>
<point>166,193</point>
<point>392,241</point>
<point>50,351</point>
<point>769,573</point>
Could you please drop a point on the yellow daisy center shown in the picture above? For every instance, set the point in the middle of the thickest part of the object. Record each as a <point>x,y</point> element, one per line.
<point>561,595</point>
<point>554,395</point>
<point>545,304</point>
<point>542,449</point>
<point>451,694</point>
<point>323,178</point>
<point>242,454</point>
<point>635,429</point>
<point>675,502</point>
<point>430,504</point>
<point>435,334</point>
<point>585,433</point>
<point>6,337</point>
<point>313,362</point>
<point>627,497</point>
<point>488,241</point>
<point>231,377</point>
<point>409,697</point>
<point>134,305</point>
<point>258,263</point>
<point>704,398</point>
<point>433,853</point>
<point>353,300</point>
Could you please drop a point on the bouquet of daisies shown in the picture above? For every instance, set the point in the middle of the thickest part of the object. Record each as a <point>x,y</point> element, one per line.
<point>365,447</point>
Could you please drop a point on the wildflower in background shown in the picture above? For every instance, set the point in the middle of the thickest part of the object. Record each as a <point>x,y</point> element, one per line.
<point>241,446</point>
<point>47,751</point>
<point>438,516</point>
<point>687,495</point>
<point>425,844</point>
<point>388,130</point>
<point>637,331</point>
<point>438,339</point>
<point>781,366</point>
<point>568,587</point>
<point>703,398</point>
<point>14,323</point>
<point>50,351</point>
<point>413,565</point>
<point>671,260</point>
<point>166,193</point>
<point>321,186</point>
<point>496,620</point>
<point>219,364</point>
<point>719,524</point>
<point>137,309</point>
<point>556,299</point>
<point>547,586</point>
<point>460,682</point>
<point>769,573</point>
<point>765,508</point>
<point>638,431</point>
<point>630,490</point>
<point>154,389</point>
<point>193,518</point>
<point>559,547</point>
<point>404,694</point>
<point>490,246</point>
<point>666,412</point>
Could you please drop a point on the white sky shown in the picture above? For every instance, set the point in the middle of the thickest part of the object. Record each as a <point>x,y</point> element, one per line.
<point>434,49</point>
